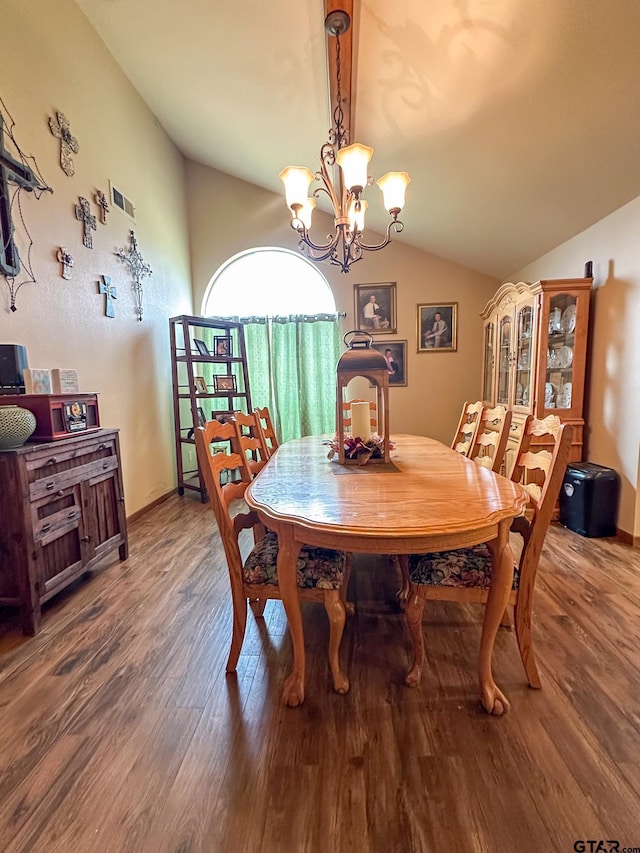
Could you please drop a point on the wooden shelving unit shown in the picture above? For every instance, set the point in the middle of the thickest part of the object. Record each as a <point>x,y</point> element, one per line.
<point>187,362</point>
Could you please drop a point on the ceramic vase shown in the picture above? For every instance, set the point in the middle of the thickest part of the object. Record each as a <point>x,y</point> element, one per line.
<point>16,426</point>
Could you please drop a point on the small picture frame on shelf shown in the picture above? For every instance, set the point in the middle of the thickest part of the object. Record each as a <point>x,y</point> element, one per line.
<point>200,385</point>
<point>224,383</point>
<point>202,348</point>
<point>202,418</point>
<point>223,346</point>
<point>37,380</point>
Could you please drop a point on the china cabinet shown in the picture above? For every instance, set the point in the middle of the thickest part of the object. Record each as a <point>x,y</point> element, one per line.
<point>535,350</point>
<point>210,380</point>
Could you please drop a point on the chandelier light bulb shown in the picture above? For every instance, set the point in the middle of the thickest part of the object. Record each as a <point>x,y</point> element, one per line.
<point>354,162</point>
<point>357,210</point>
<point>393,186</point>
<point>296,180</point>
<point>306,211</point>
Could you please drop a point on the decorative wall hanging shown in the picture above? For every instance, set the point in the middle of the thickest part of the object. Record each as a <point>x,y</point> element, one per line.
<point>103,204</point>
<point>23,174</point>
<point>139,269</point>
<point>84,215</point>
<point>110,292</point>
<point>66,260</point>
<point>59,126</point>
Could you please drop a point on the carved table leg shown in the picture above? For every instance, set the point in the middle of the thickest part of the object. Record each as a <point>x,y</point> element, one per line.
<point>288,550</point>
<point>493,699</point>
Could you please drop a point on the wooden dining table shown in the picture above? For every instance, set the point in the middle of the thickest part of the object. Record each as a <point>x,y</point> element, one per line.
<point>428,498</point>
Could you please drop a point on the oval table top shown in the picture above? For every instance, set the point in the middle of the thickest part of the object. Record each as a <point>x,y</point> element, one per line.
<point>428,490</point>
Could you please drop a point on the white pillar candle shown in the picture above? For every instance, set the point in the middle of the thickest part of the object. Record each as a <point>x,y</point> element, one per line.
<point>360,420</point>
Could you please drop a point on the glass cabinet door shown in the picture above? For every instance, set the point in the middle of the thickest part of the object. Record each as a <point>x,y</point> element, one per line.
<point>560,351</point>
<point>504,360</point>
<point>524,356</point>
<point>489,362</point>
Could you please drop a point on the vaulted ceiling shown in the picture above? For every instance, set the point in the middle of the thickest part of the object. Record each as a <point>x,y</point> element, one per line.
<point>518,120</point>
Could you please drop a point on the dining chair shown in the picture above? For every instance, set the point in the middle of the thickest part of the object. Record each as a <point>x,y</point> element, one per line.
<point>265,425</point>
<point>464,574</point>
<point>250,440</point>
<point>491,439</point>
<point>322,574</point>
<point>347,420</point>
<point>468,426</point>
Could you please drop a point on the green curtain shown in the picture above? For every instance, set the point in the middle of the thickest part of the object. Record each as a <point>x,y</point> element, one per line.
<point>292,370</point>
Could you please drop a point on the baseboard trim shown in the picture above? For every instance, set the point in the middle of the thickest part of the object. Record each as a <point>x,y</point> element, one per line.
<point>628,538</point>
<point>145,509</point>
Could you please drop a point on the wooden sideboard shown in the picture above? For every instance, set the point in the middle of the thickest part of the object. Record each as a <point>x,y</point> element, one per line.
<point>62,511</point>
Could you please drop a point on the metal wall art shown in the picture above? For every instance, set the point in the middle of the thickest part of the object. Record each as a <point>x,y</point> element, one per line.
<point>138,267</point>
<point>84,215</point>
<point>22,172</point>
<point>110,293</point>
<point>66,260</point>
<point>59,126</point>
<point>103,203</point>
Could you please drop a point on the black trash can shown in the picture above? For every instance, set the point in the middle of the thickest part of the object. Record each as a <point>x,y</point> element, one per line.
<point>589,499</point>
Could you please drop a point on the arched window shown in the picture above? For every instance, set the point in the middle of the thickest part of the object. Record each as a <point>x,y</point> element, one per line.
<point>267,282</point>
<point>292,335</point>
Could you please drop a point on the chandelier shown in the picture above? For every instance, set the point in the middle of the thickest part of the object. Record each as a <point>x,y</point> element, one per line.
<point>349,163</point>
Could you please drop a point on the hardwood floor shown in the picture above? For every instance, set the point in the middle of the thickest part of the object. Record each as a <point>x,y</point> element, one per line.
<point>121,732</point>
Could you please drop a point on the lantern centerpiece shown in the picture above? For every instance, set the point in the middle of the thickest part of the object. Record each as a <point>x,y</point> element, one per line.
<point>361,360</point>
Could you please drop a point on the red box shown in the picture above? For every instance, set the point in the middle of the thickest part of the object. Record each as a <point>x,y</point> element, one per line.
<point>58,415</point>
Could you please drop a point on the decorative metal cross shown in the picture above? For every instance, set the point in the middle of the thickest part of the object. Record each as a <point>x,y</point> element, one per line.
<point>15,171</point>
<point>103,204</point>
<point>66,260</point>
<point>83,213</point>
<point>110,292</point>
<point>139,269</point>
<point>59,126</point>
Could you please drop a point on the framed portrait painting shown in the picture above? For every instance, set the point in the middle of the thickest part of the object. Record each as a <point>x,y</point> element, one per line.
<point>375,308</point>
<point>395,354</point>
<point>438,327</point>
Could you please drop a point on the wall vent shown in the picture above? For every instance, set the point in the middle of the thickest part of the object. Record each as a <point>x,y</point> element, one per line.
<point>120,200</point>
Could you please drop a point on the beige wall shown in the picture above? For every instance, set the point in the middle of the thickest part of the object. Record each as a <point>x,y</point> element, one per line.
<point>53,60</point>
<point>613,408</point>
<point>227,216</point>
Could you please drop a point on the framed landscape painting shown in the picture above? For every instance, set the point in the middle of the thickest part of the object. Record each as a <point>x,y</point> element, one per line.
<point>438,327</point>
<point>375,308</point>
<point>395,354</point>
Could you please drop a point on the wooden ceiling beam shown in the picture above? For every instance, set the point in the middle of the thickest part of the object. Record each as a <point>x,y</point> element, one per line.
<point>346,65</point>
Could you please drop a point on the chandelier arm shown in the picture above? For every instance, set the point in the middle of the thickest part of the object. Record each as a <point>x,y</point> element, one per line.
<point>397,226</point>
<point>326,160</point>
<point>323,250</point>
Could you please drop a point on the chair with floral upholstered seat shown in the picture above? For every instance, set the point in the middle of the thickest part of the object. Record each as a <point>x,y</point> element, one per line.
<point>468,426</point>
<point>250,440</point>
<point>267,430</point>
<point>322,573</point>
<point>491,439</point>
<point>464,574</point>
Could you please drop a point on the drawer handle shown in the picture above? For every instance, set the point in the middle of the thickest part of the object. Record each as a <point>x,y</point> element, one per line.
<point>514,427</point>
<point>60,493</point>
<point>85,538</point>
<point>45,527</point>
<point>52,461</point>
<point>72,514</point>
<point>105,464</point>
<point>50,486</point>
<point>102,447</point>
